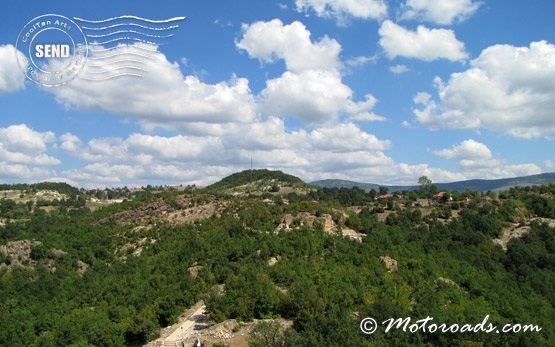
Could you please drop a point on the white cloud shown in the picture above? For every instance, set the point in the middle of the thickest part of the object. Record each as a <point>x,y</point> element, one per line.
<point>162,95</point>
<point>444,12</point>
<point>549,164</point>
<point>312,95</point>
<point>24,154</point>
<point>12,77</point>
<point>21,145</point>
<point>424,44</point>
<point>508,89</point>
<point>22,173</point>
<point>477,161</point>
<point>312,88</point>
<point>409,174</point>
<point>342,9</point>
<point>269,41</point>
<point>165,98</point>
<point>360,111</point>
<point>103,174</point>
<point>70,142</point>
<point>399,69</point>
<point>21,137</point>
<point>468,149</point>
<point>140,159</point>
<point>341,150</point>
<point>361,60</point>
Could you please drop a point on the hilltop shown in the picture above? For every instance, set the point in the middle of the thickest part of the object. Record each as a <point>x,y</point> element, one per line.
<point>260,181</point>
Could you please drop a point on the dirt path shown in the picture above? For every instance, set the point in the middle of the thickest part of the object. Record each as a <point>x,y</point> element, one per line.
<point>183,332</point>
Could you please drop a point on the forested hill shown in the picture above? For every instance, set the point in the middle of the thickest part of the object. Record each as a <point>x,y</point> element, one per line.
<point>301,267</point>
<point>259,177</point>
<point>62,188</point>
<point>461,186</point>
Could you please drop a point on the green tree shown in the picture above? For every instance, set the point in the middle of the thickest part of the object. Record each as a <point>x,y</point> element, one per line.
<point>267,334</point>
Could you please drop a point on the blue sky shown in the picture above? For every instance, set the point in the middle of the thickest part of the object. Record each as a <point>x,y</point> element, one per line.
<point>379,91</point>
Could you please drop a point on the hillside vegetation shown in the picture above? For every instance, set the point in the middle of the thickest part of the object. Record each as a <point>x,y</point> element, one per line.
<point>323,260</point>
<point>258,180</point>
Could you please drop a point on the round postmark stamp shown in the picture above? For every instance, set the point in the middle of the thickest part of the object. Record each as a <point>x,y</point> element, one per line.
<point>54,50</point>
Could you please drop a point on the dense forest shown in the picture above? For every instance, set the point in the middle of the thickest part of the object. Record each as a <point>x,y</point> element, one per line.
<point>77,289</point>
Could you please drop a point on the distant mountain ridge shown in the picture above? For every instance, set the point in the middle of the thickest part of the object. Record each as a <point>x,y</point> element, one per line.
<point>475,184</point>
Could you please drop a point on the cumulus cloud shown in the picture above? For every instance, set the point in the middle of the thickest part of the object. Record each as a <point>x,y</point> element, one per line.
<point>361,60</point>
<point>424,43</point>
<point>343,9</point>
<point>162,95</point>
<point>399,69</point>
<point>12,77</point>
<point>507,89</point>
<point>341,150</point>
<point>22,145</point>
<point>312,95</point>
<point>70,142</point>
<point>331,150</point>
<point>312,88</point>
<point>24,153</point>
<point>444,12</point>
<point>22,173</point>
<point>477,161</point>
<point>269,41</point>
<point>468,149</point>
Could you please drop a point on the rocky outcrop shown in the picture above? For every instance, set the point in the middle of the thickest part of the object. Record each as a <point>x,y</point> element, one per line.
<point>17,253</point>
<point>309,220</point>
<point>194,270</point>
<point>446,281</point>
<point>390,263</point>
<point>81,267</point>
<point>515,231</point>
<point>274,260</point>
<point>352,234</point>
<point>286,222</point>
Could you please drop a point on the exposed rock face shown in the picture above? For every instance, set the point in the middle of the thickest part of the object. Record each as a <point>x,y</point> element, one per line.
<point>328,223</point>
<point>58,253</point>
<point>309,220</point>
<point>186,210</point>
<point>549,221</point>
<point>18,253</point>
<point>515,231</point>
<point>447,281</point>
<point>81,267</point>
<point>352,234</point>
<point>274,260</point>
<point>286,222</point>
<point>194,270</point>
<point>390,263</point>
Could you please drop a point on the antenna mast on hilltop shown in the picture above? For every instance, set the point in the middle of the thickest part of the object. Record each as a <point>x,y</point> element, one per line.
<point>251,163</point>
